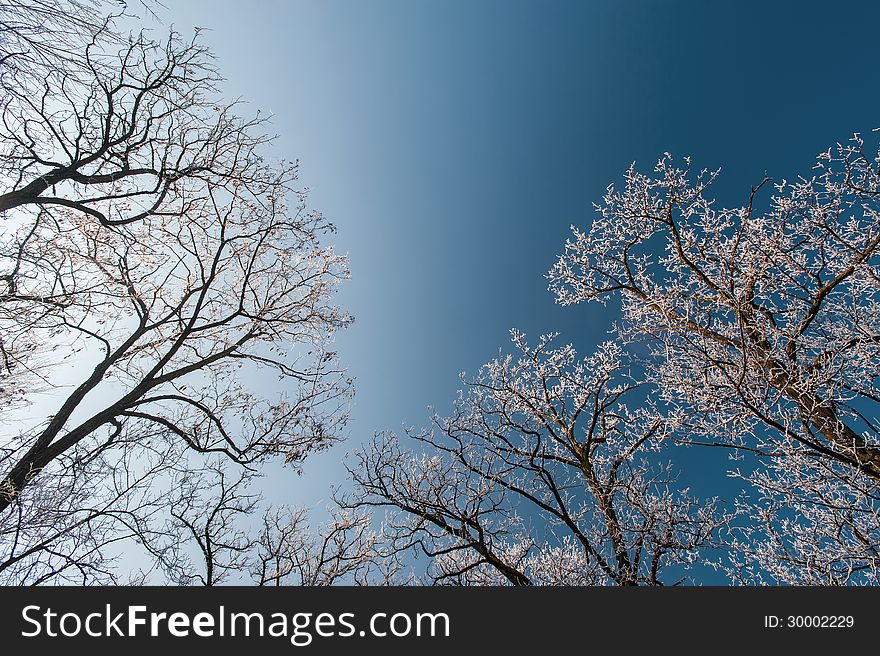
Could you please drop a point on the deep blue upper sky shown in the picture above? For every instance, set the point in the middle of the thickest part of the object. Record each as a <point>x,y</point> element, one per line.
<point>454,143</point>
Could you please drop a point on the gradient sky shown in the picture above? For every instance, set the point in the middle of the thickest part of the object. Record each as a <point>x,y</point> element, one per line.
<point>454,143</point>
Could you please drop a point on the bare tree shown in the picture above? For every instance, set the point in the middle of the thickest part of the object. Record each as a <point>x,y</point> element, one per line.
<point>39,36</point>
<point>120,119</point>
<point>209,537</point>
<point>168,301</point>
<point>760,325</point>
<point>346,549</point>
<point>541,475</point>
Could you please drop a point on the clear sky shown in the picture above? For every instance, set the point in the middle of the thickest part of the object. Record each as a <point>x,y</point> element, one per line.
<point>454,143</point>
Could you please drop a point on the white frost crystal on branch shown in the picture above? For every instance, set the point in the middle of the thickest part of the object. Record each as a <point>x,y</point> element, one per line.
<point>761,326</point>
<point>542,475</point>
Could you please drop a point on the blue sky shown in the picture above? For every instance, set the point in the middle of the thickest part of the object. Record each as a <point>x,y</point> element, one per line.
<point>454,143</point>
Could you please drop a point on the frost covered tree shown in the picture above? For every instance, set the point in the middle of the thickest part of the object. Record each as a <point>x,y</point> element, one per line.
<point>166,311</point>
<point>541,475</point>
<point>760,326</point>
